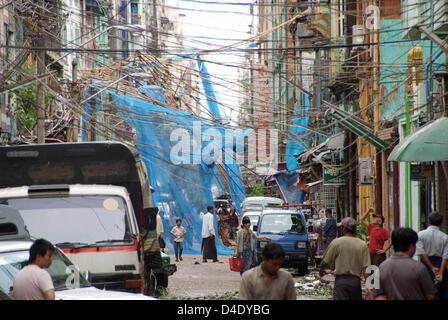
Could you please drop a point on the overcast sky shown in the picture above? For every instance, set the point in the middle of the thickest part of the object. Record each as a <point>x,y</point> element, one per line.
<point>201,22</point>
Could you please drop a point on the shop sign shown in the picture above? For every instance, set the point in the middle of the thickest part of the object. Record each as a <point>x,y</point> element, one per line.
<point>333,176</point>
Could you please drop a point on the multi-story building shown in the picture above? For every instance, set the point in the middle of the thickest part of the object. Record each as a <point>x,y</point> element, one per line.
<point>366,73</point>
<point>7,55</point>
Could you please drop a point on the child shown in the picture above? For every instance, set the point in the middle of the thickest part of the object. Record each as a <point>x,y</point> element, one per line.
<point>178,232</point>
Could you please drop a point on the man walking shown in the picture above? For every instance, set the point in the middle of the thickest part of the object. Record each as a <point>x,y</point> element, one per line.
<point>432,247</point>
<point>401,277</point>
<point>208,237</point>
<point>350,256</point>
<point>33,282</point>
<point>378,237</point>
<point>268,281</point>
<point>330,229</point>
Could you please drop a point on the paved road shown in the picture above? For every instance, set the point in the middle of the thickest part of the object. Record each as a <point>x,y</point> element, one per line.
<point>197,280</point>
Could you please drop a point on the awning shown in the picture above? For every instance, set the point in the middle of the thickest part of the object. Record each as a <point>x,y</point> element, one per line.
<point>428,143</point>
<point>357,127</point>
<point>305,155</point>
<point>312,184</point>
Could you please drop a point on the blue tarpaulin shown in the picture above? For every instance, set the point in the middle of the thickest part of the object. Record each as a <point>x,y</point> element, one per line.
<point>181,163</point>
<point>209,91</point>
<point>295,144</point>
<point>285,180</point>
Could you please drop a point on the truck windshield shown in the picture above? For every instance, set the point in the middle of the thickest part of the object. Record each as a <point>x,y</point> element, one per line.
<point>282,224</point>
<point>74,219</point>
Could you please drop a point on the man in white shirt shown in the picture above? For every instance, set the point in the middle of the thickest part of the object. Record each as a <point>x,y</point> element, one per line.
<point>208,237</point>
<point>432,247</point>
<point>33,282</point>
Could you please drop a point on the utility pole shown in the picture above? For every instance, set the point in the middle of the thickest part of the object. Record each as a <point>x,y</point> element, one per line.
<point>73,136</point>
<point>40,91</point>
<point>155,32</point>
<point>378,156</point>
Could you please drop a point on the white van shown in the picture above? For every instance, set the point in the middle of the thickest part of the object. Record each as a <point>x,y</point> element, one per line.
<point>252,207</point>
<point>253,202</point>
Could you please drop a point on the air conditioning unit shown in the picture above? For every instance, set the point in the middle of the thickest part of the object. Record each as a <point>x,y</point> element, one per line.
<point>358,33</point>
<point>365,171</point>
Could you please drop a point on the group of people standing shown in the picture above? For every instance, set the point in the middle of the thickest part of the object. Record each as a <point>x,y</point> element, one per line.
<point>397,278</point>
<point>227,224</point>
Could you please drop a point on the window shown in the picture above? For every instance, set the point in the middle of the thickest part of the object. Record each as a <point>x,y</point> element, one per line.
<point>282,224</point>
<point>8,228</point>
<point>341,18</point>
<point>83,219</point>
<point>135,18</point>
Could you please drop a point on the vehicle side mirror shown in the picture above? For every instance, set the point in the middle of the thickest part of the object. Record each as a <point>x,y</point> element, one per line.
<point>149,218</point>
<point>255,228</point>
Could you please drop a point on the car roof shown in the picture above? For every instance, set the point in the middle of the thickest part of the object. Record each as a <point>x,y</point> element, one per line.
<point>75,189</point>
<point>264,199</point>
<point>281,211</point>
<point>251,213</point>
<point>9,246</point>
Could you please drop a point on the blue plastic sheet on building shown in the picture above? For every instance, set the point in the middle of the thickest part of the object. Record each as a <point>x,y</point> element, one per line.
<point>285,180</point>
<point>296,141</point>
<point>183,190</point>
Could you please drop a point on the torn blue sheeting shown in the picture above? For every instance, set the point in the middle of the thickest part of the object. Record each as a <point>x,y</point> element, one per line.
<point>285,181</point>
<point>209,91</point>
<point>154,92</point>
<point>296,139</point>
<point>182,190</point>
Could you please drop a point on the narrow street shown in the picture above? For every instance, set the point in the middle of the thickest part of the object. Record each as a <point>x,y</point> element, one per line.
<point>214,281</point>
<point>128,127</point>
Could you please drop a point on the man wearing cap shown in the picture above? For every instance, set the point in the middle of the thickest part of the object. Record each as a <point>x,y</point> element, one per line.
<point>378,237</point>
<point>350,256</point>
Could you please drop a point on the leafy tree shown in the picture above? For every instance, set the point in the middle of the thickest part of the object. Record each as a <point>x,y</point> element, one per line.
<point>257,189</point>
<point>26,102</point>
<point>362,231</point>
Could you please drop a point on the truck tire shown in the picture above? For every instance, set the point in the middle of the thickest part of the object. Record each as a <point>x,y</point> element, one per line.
<point>302,269</point>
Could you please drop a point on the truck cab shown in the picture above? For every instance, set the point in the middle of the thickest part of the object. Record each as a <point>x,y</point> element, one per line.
<point>287,227</point>
<point>89,200</point>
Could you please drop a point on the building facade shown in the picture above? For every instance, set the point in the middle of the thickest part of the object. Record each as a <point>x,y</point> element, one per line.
<point>361,76</point>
